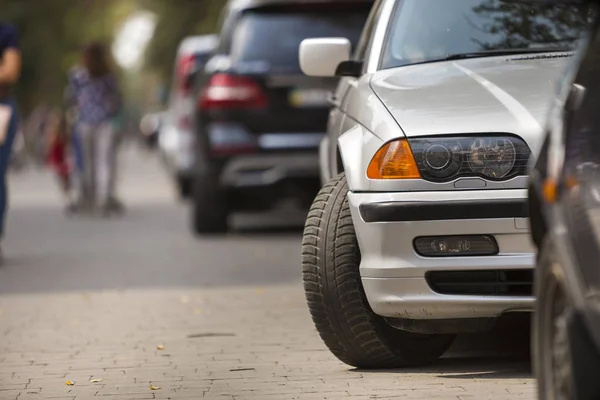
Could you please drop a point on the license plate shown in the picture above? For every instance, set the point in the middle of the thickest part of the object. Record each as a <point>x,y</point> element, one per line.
<point>309,98</point>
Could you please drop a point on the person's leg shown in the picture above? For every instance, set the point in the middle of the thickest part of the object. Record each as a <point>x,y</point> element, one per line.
<point>105,137</point>
<point>5,150</point>
<point>113,198</point>
<point>86,135</point>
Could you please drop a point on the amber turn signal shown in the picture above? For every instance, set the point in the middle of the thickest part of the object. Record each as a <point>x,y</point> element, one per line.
<point>394,160</point>
<point>549,190</point>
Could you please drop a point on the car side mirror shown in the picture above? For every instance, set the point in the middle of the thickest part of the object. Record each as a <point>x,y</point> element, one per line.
<point>325,57</point>
<point>218,62</point>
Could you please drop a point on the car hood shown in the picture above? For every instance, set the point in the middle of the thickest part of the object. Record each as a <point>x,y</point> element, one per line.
<point>483,95</point>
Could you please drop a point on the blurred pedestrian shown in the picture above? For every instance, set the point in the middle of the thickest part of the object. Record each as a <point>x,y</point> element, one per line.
<point>94,91</point>
<point>10,69</point>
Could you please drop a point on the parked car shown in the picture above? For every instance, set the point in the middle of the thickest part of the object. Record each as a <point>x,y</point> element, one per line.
<point>564,207</point>
<point>259,119</point>
<point>176,138</point>
<point>422,232</point>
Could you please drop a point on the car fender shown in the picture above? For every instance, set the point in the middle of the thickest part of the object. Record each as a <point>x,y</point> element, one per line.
<point>357,147</point>
<point>324,163</point>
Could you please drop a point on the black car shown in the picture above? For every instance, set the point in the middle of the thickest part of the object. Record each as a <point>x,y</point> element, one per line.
<point>565,224</point>
<point>259,119</point>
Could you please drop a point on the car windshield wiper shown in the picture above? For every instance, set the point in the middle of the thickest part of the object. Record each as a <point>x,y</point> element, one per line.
<point>503,52</point>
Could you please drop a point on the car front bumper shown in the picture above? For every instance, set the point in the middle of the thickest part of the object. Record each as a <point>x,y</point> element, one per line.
<point>394,276</point>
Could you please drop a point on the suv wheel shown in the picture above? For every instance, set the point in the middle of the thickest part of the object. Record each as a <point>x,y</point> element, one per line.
<point>184,186</point>
<point>336,298</point>
<point>209,206</point>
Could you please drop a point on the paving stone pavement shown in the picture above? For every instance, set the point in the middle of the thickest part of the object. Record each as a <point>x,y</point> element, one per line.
<point>227,343</point>
<point>211,342</point>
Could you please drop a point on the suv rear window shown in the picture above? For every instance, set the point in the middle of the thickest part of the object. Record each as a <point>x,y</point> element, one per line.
<point>274,37</point>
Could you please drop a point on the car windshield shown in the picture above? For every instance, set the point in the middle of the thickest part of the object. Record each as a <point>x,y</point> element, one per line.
<point>274,38</point>
<point>435,30</point>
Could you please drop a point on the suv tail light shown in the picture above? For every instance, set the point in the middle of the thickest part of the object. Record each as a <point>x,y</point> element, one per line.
<point>184,69</point>
<point>228,91</point>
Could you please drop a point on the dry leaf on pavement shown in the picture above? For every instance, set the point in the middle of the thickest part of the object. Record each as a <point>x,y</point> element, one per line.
<point>69,383</point>
<point>154,387</point>
<point>160,347</point>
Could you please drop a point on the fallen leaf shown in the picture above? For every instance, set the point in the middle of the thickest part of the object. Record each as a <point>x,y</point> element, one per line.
<point>154,387</point>
<point>69,383</point>
<point>185,299</point>
<point>96,380</point>
<point>160,347</point>
<point>197,311</point>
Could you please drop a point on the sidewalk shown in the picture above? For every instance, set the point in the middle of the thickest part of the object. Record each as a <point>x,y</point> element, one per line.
<point>218,344</point>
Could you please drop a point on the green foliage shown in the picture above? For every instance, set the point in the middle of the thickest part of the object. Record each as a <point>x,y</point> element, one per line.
<point>52,33</point>
<point>51,36</point>
<point>176,20</point>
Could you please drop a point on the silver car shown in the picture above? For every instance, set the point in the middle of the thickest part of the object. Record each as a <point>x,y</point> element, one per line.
<point>422,229</point>
<point>176,138</point>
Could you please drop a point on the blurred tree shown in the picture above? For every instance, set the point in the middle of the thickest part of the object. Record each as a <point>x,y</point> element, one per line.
<point>176,20</point>
<point>51,34</point>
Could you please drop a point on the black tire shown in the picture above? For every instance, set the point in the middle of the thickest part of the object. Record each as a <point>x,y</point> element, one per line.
<point>209,206</point>
<point>184,187</point>
<point>551,355</point>
<point>336,298</point>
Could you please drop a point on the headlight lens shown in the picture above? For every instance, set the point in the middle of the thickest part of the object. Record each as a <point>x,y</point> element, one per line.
<point>492,157</point>
<point>443,159</point>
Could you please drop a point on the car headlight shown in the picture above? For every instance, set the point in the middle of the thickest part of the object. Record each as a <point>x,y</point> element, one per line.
<point>442,159</point>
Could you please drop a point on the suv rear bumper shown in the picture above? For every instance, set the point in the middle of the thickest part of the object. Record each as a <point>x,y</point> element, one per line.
<point>266,169</point>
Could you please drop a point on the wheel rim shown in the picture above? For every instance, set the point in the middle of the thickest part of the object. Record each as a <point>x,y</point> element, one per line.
<point>558,369</point>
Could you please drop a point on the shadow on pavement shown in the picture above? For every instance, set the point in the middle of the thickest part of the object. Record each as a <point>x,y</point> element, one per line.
<point>503,353</point>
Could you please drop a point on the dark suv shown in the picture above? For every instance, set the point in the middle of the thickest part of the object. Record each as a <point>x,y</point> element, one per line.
<point>564,199</point>
<point>259,119</point>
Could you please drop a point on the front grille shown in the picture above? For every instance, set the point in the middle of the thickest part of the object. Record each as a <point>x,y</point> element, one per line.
<point>487,283</point>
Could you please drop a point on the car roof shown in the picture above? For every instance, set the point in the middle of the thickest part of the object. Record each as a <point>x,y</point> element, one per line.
<point>199,43</point>
<point>246,4</point>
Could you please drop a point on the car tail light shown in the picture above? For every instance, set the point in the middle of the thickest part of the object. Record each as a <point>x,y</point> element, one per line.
<point>228,91</point>
<point>184,69</point>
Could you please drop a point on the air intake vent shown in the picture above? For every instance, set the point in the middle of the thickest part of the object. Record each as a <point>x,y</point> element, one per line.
<point>486,283</point>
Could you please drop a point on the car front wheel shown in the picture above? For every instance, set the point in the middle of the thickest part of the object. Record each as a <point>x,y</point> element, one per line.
<point>336,298</point>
